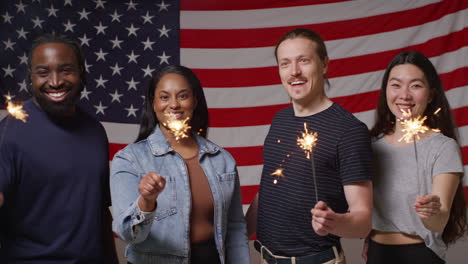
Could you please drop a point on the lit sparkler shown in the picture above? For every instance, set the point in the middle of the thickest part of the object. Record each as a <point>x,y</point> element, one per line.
<point>307,143</point>
<point>16,111</point>
<point>412,127</point>
<point>278,173</point>
<point>179,128</point>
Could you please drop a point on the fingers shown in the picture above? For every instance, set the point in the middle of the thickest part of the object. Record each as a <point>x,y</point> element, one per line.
<point>323,219</point>
<point>151,185</point>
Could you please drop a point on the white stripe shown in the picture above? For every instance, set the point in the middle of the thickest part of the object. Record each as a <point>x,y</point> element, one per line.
<point>465,177</point>
<point>340,86</point>
<point>337,49</point>
<point>250,175</point>
<point>289,16</point>
<point>121,133</point>
<point>238,136</point>
<point>463,136</point>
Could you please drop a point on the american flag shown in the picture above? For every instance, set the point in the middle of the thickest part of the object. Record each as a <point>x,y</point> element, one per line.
<point>229,45</point>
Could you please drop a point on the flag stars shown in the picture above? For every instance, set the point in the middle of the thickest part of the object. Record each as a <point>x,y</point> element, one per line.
<point>148,71</point>
<point>68,26</point>
<point>23,86</point>
<point>83,14</point>
<point>131,111</point>
<point>100,28</point>
<point>164,58</point>
<point>8,71</point>
<point>132,30</point>
<point>132,84</point>
<point>147,18</point>
<point>7,18</point>
<point>85,93</point>
<point>85,40</point>
<point>116,69</point>
<point>9,44</point>
<point>116,42</point>
<point>148,44</point>
<point>101,82</point>
<point>20,7</point>
<point>22,33</point>
<point>99,3</point>
<point>115,16</point>
<point>131,5</point>
<point>23,59</point>
<point>115,96</point>
<point>132,57</point>
<point>37,22</point>
<point>52,11</point>
<point>163,6</point>
<point>68,2</point>
<point>164,31</point>
<point>87,66</point>
<point>100,108</point>
<point>101,55</point>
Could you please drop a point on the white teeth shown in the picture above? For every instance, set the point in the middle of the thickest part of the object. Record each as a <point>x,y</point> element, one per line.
<point>297,82</point>
<point>56,94</point>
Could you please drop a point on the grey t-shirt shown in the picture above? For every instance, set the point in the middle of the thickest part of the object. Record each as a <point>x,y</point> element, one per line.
<point>396,184</point>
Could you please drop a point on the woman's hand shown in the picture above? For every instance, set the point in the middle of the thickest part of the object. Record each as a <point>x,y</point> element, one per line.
<point>151,185</point>
<point>427,206</point>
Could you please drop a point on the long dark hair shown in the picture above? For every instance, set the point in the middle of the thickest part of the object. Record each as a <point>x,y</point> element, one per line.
<point>385,124</point>
<point>200,119</point>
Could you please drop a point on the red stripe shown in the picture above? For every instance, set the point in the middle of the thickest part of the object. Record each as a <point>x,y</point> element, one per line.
<point>461,117</point>
<point>246,156</point>
<point>247,77</point>
<point>216,5</point>
<point>248,192</point>
<point>245,116</point>
<point>249,38</point>
<point>464,151</point>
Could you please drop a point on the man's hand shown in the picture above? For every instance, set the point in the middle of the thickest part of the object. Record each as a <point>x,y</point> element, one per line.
<point>151,185</point>
<point>324,219</point>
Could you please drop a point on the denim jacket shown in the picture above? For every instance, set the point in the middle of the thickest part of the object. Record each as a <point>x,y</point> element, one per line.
<point>164,235</point>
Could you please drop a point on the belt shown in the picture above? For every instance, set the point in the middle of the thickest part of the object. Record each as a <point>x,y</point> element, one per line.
<point>317,258</point>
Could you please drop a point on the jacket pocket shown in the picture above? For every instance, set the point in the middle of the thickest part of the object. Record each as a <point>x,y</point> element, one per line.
<point>167,200</point>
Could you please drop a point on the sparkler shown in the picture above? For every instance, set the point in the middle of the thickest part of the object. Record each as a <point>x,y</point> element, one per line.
<point>307,142</point>
<point>412,127</point>
<point>16,111</point>
<point>179,128</point>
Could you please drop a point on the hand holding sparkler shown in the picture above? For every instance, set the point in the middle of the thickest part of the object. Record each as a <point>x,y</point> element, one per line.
<point>151,185</point>
<point>324,219</point>
<point>427,206</point>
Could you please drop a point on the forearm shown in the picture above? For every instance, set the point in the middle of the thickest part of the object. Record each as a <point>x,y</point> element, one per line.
<point>251,217</point>
<point>355,224</point>
<point>437,222</point>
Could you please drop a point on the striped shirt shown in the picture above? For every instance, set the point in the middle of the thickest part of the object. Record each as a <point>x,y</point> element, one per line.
<point>342,156</point>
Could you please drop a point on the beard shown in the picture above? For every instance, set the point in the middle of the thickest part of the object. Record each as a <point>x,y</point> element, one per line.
<point>57,110</point>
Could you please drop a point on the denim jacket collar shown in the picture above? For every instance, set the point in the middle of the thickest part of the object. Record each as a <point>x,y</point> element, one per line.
<point>159,145</point>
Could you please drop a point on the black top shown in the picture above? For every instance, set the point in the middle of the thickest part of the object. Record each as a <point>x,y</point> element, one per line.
<point>342,156</point>
<point>55,178</point>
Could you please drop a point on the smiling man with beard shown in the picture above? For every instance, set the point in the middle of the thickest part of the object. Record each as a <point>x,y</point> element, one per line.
<point>292,225</point>
<point>54,169</point>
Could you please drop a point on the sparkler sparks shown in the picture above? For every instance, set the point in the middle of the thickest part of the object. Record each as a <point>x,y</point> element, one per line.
<point>17,111</point>
<point>178,128</point>
<point>412,127</point>
<point>308,141</point>
<point>278,173</point>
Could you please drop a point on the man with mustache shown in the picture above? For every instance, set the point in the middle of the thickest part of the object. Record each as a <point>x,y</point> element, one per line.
<point>292,226</point>
<point>54,169</point>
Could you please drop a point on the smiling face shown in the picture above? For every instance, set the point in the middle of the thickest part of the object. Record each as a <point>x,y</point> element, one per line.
<point>173,98</point>
<point>407,90</point>
<point>55,78</point>
<point>301,69</point>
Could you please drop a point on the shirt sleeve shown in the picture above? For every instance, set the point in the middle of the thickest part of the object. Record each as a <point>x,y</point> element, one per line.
<point>448,159</point>
<point>355,155</point>
<point>130,223</point>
